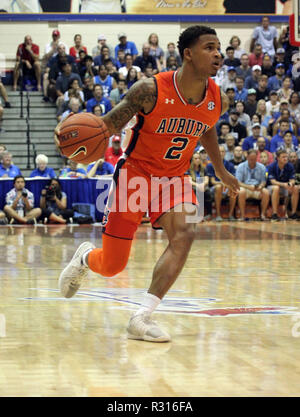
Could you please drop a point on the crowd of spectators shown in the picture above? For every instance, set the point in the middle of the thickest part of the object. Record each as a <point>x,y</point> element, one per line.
<point>258,135</point>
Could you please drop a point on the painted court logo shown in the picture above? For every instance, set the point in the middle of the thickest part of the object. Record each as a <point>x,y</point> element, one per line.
<point>175,303</point>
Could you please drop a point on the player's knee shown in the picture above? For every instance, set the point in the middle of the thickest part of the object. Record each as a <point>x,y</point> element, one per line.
<point>184,236</point>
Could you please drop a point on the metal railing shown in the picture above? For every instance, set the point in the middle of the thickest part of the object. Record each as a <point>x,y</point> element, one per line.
<point>28,138</point>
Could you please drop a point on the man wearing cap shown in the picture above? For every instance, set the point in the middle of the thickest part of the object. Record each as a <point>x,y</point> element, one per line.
<point>251,141</point>
<point>251,103</point>
<point>266,35</point>
<point>101,42</point>
<point>273,104</point>
<point>275,82</point>
<point>51,47</point>
<point>231,61</point>
<point>280,58</point>
<point>114,152</point>
<point>283,105</point>
<point>252,80</point>
<point>256,57</point>
<point>229,80</point>
<point>127,46</point>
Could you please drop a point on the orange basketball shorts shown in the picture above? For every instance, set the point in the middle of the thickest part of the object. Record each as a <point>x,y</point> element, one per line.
<point>135,193</point>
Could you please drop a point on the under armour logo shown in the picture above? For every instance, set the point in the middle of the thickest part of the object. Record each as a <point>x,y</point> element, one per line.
<point>211,105</point>
<point>169,100</point>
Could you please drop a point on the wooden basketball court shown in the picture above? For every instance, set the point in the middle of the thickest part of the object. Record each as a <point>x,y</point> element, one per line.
<point>233,314</point>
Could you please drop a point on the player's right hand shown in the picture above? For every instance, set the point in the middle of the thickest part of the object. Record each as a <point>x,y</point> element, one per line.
<point>230,182</point>
<point>57,131</point>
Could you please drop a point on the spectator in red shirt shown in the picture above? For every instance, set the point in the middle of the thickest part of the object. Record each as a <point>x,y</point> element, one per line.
<point>113,153</point>
<point>74,51</point>
<point>28,55</point>
<point>256,58</point>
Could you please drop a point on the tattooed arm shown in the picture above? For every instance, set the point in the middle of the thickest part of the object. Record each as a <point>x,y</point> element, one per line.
<point>141,96</point>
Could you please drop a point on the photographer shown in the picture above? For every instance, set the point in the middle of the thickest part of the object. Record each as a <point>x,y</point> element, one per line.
<point>53,203</point>
<point>20,203</point>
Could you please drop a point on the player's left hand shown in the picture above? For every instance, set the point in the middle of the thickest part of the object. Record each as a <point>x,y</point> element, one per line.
<point>230,182</point>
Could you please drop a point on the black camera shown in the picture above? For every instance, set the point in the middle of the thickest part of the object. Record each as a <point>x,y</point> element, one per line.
<point>50,191</point>
<point>24,194</point>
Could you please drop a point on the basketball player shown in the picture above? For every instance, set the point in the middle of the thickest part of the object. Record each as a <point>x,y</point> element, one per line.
<point>159,147</point>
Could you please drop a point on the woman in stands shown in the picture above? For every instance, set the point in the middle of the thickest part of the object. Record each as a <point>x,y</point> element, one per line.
<point>74,51</point>
<point>132,77</point>
<point>156,51</point>
<point>235,42</point>
<point>196,172</point>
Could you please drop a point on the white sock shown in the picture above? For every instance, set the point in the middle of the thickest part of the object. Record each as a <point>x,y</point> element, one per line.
<point>84,258</point>
<point>148,304</point>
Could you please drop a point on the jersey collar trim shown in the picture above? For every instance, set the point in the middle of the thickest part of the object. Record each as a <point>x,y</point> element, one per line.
<point>180,95</point>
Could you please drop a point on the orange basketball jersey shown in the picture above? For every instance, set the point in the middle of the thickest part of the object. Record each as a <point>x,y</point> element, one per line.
<point>163,141</point>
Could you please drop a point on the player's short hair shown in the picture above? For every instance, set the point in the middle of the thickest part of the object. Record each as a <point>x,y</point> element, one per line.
<point>190,36</point>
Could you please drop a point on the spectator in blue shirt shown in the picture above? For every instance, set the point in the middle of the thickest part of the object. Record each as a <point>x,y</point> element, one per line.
<point>281,176</point>
<point>72,170</point>
<point>252,181</point>
<point>275,82</point>
<point>252,80</point>
<point>98,99</point>
<point>74,107</point>
<point>251,141</point>
<point>241,93</point>
<point>7,169</point>
<point>127,46</point>
<point>277,140</point>
<point>99,168</point>
<point>42,169</point>
<point>218,190</point>
<point>20,204</point>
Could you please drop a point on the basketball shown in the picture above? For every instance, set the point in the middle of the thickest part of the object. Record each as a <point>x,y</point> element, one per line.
<point>83,138</point>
